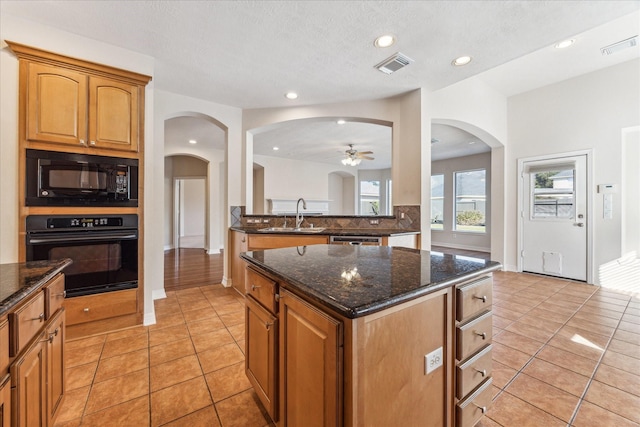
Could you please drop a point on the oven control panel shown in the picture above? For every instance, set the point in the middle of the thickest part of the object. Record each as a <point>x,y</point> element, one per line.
<point>85,222</point>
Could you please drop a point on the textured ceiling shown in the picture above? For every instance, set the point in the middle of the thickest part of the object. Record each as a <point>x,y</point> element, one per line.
<point>249,53</point>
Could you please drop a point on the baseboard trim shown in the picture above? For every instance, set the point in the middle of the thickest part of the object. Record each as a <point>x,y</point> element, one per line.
<point>463,247</point>
<point>158,294</point>
<point>149,319</point>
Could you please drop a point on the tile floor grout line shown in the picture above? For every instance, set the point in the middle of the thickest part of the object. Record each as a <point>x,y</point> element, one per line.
<point>595,370</point>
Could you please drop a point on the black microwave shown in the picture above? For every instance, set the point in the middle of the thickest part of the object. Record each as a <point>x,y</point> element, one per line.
<point>70,179</point>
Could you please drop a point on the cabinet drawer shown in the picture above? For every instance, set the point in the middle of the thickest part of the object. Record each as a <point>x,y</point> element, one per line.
<point>100,306</point>
<point>473,335</point>
<point>54,296</point>
<point>472,372</point>
<point>474,298</point>
<point>25,323</point>
<point>262,289</point>
<point>4,346</point>
<point>470,410</point>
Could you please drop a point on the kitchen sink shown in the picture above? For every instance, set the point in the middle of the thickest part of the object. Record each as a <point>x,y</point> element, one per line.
<point>292,230</point>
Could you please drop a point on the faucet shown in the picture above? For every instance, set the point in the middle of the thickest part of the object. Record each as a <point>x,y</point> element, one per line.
<point>299,217</point>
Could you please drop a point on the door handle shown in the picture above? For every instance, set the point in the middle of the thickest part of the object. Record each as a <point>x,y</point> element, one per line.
<point>578,224</point>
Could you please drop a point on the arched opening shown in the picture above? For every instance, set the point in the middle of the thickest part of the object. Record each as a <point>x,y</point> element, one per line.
<point>467,188</point>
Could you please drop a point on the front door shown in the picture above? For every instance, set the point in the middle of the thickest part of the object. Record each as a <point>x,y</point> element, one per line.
<point>554,217</point>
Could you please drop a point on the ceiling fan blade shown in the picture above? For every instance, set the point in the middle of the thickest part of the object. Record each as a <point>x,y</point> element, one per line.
<point>366,157</point>
<point>365,152</point>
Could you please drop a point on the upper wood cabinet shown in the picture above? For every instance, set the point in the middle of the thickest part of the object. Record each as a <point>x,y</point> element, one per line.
<point>78,104</point>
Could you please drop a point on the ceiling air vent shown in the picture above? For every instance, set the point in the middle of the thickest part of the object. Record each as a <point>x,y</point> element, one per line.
<point>616,47</point>
<point>394,63</point>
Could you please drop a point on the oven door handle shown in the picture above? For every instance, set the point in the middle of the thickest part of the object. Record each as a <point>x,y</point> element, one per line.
<point>64,239</point>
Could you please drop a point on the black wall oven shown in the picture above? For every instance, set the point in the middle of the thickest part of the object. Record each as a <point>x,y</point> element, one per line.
<point>104,250</point>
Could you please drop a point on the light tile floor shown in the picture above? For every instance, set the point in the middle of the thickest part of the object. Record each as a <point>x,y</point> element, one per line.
<point>565,354</point>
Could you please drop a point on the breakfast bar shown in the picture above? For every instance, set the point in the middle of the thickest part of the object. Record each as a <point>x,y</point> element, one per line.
<point>369,335</point>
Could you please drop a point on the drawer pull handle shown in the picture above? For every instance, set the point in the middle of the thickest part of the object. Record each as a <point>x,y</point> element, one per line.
<point>277,297</point>
<point>62,294</point>
<point>483,409</point>
<point>39,318</point>
<point>483,298</point>
<point>254,287</point>
<point>483,335</point>
<point>268,325</point>
<point>56,333</point>
<point>244,239</point>
<point>92,143</point>
<point>49,340</point>
<point>482,372</point>
<point>82,142</point>
<point>86,309</point>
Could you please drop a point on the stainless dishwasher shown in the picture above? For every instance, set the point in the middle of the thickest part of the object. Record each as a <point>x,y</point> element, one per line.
<point>355,240</point>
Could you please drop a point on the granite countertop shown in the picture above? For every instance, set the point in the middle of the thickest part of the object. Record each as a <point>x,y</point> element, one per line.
<point>360,280</point>
<point>20,280</point>
<point>375,232</point>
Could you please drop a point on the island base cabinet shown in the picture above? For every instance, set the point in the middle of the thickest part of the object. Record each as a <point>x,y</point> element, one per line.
<point>260,357</point>
<point>310,365</point>
<point>396,383</point>
<point>5,401</point>
<point>55,365</point>
<point>29,386</point>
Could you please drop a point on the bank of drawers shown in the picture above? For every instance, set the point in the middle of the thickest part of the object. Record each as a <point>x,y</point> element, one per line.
<point>474,331</point>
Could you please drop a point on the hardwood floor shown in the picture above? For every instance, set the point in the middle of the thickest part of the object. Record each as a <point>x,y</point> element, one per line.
<point>191,268</point>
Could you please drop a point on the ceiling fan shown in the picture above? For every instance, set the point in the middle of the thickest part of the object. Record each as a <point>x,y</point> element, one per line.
<point>354,157</point>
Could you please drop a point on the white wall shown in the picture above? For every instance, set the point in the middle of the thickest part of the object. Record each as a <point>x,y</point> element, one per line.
<point>477,108</point>
<point>586,112</point>
<point>193,207</point>
<point>448,237</point>
<point>630,191</point>
<point>291,179</point>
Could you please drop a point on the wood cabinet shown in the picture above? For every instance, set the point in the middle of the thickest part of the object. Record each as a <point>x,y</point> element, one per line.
<point>81,105</point>
<point>238,244</point>
<point>310,364</point>
<point>242,242</point>
<point>33,392</point>
<point>473,331</point>
<point>260,354</point>
<point>5,401</point>
<point>92,314</point>
<point>55,365</point>
<point>28,376</point>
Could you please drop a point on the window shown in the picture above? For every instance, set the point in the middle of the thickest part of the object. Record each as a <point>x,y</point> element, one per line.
<point>437,202</point>
<point>369,197</point>
<point>471,197</point>
<point>553,194</point>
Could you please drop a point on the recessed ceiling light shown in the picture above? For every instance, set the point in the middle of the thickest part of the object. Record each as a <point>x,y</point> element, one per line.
<point>565,43</point>
<point>462,60</point>
<point>276,148</point>
<point>341,121</point>
<point>472,142</point>
<point>384,41</point>
<point>193,141</point>
<point>291,95</point>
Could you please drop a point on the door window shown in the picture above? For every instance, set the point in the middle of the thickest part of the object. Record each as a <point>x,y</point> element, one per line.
<point>553,194</point>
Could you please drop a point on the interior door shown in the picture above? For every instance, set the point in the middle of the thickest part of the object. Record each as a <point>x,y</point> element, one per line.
<point>554,220</point>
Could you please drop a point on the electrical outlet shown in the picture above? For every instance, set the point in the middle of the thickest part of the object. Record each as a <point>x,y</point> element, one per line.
<point>433,360</point>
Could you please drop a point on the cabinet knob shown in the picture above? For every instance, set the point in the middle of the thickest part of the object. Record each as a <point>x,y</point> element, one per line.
<point>483,298</point>
<point>268,325</point>
<point>83,142</point>
<point>86,309</point>
<point>244,239</point>
<point>483,409</point>
<point>482,372</point>
<point>483,335</point>
<point>92,143</point>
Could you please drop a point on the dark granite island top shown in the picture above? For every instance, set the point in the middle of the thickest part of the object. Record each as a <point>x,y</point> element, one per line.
<point>359,280</point>
<point>19,280</point>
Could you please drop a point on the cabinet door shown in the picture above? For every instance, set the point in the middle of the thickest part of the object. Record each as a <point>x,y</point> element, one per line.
<point>5,401</point>
<point>239,244</point>
<point>260,354</point>
<point>310,365</point>
<point>113,114</point>
<point>55,365</point>
<point>56,105</point>
<point>28,376</point>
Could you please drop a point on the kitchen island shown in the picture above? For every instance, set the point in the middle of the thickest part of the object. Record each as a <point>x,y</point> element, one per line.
<point>368,335</point>
<point>32,332</point>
